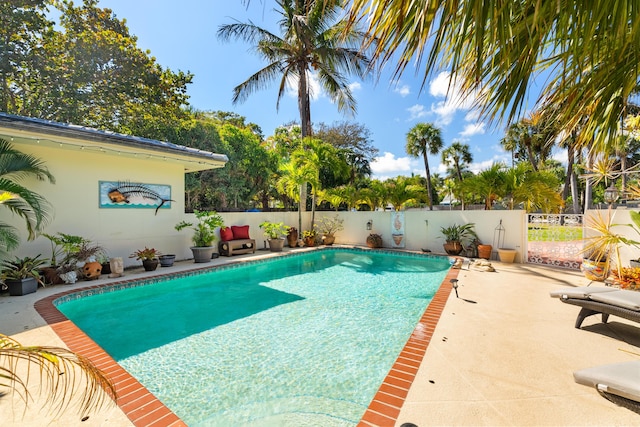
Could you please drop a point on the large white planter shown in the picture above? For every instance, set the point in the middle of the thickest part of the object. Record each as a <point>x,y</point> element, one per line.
<point>507,255</point>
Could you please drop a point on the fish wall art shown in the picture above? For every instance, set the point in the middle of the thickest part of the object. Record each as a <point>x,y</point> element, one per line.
<point>127,194</point>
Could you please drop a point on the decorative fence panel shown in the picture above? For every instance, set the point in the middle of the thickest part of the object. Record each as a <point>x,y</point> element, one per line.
<point>555,240</point>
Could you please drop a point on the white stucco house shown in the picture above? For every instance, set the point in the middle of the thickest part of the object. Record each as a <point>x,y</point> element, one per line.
<point>87,165</point>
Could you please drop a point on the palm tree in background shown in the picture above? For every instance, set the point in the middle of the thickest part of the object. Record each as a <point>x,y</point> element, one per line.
<point>402,191</point>
<point>588,52</point>
<point>532,138</point>
<point>457,155</point>
<point>490,184</point>
<point>291,180</point>
<point>424,139</point>
<point>15,166</point>
<point>313,39</point>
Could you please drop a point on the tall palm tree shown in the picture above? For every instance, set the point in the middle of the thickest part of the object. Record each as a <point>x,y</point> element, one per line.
<point>313,38</point>
<point>16,166</point>
<point>424,139</point>
<point>588,51</point>
<point>58,374</point>
<point>457,155</point>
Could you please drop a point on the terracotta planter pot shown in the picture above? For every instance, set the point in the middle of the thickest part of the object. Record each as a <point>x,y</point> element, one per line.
<point>484,251</point>
<point>374,241</point>
<point>292,238</point>
<point>310,241</point>
<point>328,240</point>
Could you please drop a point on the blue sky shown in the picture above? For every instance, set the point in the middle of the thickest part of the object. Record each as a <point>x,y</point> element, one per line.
<point>182,36</point>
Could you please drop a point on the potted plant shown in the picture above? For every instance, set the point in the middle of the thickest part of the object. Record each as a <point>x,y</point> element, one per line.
<point>374,240</point>
<point>22,275</point>
<point>63,248</point>
<point>275,232</point>
<point>103,259</point>
<point>203,233</point>
<point>456,236</point>
<point>328,227</point>
<point>62,245</point>
<point>309,237</point>
<point>148,256</point>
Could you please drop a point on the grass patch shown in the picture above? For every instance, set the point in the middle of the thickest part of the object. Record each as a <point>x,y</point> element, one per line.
<point>554,233</point>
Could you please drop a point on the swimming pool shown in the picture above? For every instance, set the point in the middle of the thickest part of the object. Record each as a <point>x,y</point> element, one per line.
<point>300,340</point>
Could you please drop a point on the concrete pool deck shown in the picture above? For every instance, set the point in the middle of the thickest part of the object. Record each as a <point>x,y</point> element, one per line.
<point>502,353</point>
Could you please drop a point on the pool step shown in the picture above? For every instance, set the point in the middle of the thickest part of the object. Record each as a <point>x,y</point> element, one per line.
<point>300,411</point>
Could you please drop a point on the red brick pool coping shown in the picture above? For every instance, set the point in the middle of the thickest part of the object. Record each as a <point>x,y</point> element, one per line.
<point>144,409</point>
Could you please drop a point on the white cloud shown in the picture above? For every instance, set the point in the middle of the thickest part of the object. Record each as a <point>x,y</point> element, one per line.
<point>472,116</point>
<point>415,112</point>
<point>473,129</point>
<point>388,165</point>
<point>561,155</point>
<point>403,90</point>
<point>355,86</point>
<point>445,112</point>
<point>479,167</point>
<point>443,87</point>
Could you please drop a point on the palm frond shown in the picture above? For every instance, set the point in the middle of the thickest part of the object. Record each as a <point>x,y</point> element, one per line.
<point>64,375</point>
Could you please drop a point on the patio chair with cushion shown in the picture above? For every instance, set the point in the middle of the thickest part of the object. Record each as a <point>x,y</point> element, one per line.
<point>617,382</point>
<point>601,300</point>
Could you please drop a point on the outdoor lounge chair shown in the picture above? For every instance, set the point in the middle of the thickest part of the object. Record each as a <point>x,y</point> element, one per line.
<point>604,300</point>
<point>617,382</point>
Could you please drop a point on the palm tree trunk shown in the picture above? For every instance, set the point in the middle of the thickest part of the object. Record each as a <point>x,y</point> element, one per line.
<point>300,207</point>
<point>426,167</point>
<point>575,195</point>
<point>587,187</point>
<point>458,172</point>
<point>304,106</point>
<point>567,180</point>
<point>532,158</point>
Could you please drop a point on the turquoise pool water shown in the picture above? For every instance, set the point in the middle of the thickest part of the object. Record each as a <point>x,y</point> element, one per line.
<point>304,340</point>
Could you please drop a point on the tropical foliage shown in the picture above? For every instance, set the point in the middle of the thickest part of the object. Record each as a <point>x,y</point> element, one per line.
<point>15,168</point>
<point>587,51</point>
<point>203,228</point>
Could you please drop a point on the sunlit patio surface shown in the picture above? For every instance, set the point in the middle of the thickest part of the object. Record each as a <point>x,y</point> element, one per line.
<point>503,353</point>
